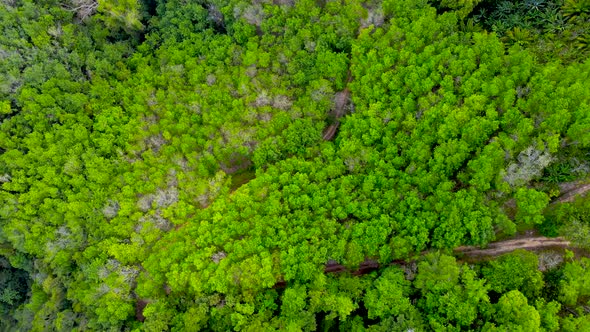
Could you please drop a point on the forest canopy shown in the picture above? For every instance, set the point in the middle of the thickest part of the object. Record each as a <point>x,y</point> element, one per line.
<point>234,165</point>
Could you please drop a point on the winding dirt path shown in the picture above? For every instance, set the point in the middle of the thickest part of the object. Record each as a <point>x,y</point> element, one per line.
<point>342,101</point>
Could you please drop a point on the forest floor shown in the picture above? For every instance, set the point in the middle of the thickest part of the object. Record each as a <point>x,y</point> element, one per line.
<point>342,106</point>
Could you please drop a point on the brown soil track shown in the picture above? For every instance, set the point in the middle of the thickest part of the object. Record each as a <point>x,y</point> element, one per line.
<point>530,242</point>
<point>578,189</point>
<point>506,246</point>
<point>341,101</point>
<point>330,132</point>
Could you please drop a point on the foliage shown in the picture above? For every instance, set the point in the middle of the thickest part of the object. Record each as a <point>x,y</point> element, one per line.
<point>515,314</point>
<point>462,7</point>
<point>552,29</point>
<point>515,271</point>
<point>530,204</point>
<point>575,284</point>
<point>14,284</point>
<point>163,164</point>
<point>452,296</point>
<point>571,219</point>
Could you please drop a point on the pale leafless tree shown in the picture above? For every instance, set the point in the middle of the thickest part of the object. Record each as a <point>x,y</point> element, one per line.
<point>82,8</point>
<point>215,14</point>
<point>111,209</point>
<point>217,257</point>
<point>530,164</point>
<point>282,102</point>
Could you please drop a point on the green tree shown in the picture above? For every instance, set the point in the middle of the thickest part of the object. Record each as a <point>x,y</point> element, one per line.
<point>513,313</point>
<point>515,271</point>
<point>530,204</point>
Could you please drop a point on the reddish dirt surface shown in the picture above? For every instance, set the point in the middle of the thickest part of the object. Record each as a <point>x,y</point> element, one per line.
<point>139,306</point>
<point>330,132</point>
<point>341,102</point>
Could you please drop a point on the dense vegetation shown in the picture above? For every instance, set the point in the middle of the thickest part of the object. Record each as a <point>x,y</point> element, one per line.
<point>198,165</point>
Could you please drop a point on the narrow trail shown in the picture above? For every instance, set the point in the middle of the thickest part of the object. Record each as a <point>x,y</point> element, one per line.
<point>532,242</point>
<point>571,191</point>
<point>342,104</point>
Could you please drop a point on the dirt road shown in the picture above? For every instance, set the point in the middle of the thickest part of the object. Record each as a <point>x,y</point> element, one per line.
<point>506,246</point>
<point>471,253</point>
<point>571,190</point>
